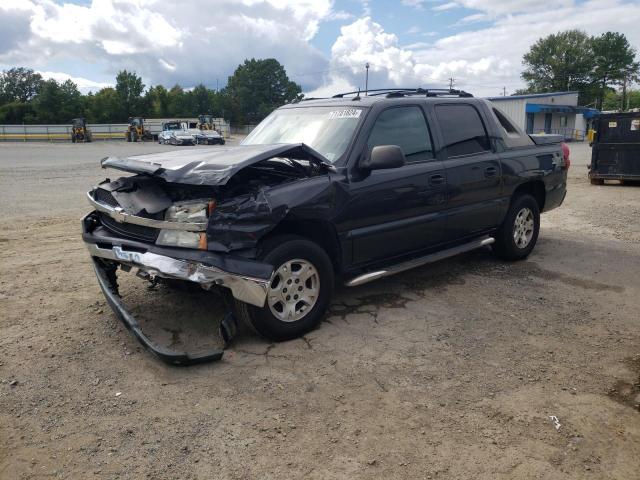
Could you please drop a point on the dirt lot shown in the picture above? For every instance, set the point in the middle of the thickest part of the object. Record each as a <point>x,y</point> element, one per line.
<point>446,372</point>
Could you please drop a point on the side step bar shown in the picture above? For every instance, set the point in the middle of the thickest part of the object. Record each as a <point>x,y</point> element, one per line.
<point>417,262</point>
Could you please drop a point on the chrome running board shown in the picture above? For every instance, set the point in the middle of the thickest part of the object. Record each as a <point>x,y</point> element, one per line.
<point>417,262</point>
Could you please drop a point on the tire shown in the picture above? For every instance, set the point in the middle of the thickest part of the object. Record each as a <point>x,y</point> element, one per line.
<point>129,137</point>
<point>597,181</point>
<point>518,234</point>
<point>297,252</point>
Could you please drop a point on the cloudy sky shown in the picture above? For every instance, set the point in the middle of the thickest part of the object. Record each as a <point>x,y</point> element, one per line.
<point>324,44</point>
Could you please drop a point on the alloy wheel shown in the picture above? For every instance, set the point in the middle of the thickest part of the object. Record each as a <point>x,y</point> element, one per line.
<point>294,290</point>
<point>523,228</point>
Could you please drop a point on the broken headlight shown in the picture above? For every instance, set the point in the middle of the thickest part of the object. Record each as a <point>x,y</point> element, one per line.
<point>186,212</point>
<point>180,238</point>
<point>194,212</point>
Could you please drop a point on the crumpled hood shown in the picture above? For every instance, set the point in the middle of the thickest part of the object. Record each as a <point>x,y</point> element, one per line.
<point>210,167</point>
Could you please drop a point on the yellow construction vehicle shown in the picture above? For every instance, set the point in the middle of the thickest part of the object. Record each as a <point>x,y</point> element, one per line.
<point>205,122</point>
<point>79,131</point>
<point>137,131</point>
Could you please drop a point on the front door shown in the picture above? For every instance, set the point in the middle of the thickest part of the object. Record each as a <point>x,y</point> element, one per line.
<point>547,123</point>
<point>397,211</point>
<point>473,171</point>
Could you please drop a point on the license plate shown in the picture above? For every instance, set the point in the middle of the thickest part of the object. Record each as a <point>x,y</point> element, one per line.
<point>126,256</point>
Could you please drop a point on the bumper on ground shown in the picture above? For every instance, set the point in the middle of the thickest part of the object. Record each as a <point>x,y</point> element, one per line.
<point>204,268</point>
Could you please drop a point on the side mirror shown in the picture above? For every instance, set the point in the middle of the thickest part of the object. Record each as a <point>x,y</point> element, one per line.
<point>383,157</point>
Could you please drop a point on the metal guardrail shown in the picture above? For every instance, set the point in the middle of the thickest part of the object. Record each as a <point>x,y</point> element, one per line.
<point>59,133</point>
<point>62,133</point>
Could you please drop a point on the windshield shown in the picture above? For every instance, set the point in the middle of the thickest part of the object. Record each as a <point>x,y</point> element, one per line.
<point>327,130</point>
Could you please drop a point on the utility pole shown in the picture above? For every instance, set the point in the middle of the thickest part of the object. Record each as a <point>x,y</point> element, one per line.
<point>504,91</point>
<point>451,82</point>
<point>624,94</point>
<point>366,81</point>
<point>216,85</point>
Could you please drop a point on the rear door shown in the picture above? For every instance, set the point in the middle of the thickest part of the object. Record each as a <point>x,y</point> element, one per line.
<point>396,211</point>
<point>473,170</point>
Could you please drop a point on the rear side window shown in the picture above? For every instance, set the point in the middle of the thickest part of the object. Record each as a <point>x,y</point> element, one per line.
<point>405,127</point>
<point>462,130</point>
<point>506,124</point>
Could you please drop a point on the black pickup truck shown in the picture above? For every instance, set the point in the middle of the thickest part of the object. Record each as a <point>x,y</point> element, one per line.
<point>351,189</point>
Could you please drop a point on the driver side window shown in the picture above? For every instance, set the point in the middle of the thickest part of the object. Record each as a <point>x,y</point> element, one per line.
<point>405,127</point>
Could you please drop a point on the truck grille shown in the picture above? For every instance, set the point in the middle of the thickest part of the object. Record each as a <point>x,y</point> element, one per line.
<point>129,230</point>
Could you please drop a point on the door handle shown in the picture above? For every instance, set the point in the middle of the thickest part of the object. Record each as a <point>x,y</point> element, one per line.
<point>490,171</point>
<point>436,179</point>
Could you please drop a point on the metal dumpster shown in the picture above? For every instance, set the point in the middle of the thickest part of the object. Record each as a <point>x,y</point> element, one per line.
<point>616,148</point>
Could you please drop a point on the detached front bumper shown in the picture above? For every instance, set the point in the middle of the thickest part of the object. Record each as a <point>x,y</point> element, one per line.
<point>247,279</point>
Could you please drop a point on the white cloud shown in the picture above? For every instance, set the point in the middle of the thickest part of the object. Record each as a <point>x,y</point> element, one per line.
<point>191,41</point>
<point>185,42</point>
<point>483,60</point>
<point>84,84</point>
<point>445,6</point>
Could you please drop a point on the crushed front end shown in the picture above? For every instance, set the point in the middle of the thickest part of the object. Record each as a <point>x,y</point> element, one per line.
<point>141,222</point>
<point>197,216</point>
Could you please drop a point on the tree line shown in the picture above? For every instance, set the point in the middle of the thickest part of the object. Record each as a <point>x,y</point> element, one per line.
<point>255,89</point>
<point>601,68</point>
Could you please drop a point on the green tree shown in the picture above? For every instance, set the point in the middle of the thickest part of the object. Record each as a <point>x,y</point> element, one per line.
<point>559,62</point>
<point>71,102</point>
<point>200,102</point>
<point>105,106</point>
<point>16,113</point>
<point>19,85</point>
<point>158,99</point>
<point>256,88</point>
<point>176,102</point>
<point>611,100</point>
<point>614,63</point>
<point>58,103</point>
<point>48,102</point>
<point>129,88</point>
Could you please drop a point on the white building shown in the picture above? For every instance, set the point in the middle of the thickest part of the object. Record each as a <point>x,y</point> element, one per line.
<point>556,113</point>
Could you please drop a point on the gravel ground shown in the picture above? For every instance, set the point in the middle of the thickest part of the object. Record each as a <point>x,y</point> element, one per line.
<point>452,371</point>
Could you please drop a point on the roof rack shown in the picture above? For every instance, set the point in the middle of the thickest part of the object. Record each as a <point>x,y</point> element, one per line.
<point>403,92</point>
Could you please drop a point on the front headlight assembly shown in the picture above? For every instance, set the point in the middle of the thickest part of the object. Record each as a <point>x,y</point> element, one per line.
<point>181,238</point>
<point>196,212</point>
<point>186,212</point>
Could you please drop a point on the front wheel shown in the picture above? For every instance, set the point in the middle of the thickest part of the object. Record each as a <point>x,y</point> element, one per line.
<point>299,293</point>
<point>519,232</point>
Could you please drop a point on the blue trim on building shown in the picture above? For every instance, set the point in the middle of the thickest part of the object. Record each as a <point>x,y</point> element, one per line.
<point>544,108</point>
<point>532,95</point>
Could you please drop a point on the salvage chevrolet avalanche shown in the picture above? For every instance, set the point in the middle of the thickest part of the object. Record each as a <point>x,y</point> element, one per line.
<point>353,188</point>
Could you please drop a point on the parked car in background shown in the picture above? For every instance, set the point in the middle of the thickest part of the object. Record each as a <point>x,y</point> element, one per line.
<point>208,137</point>
<point>176,133</point>
<point>352,188</point>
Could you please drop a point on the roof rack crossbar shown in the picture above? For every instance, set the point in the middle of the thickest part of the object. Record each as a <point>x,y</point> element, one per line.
<point>401,92</point>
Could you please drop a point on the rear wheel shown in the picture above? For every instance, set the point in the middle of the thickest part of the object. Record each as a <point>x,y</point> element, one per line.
<point>519,232</point>
<point>299,292</point>
<point>129,137</point>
